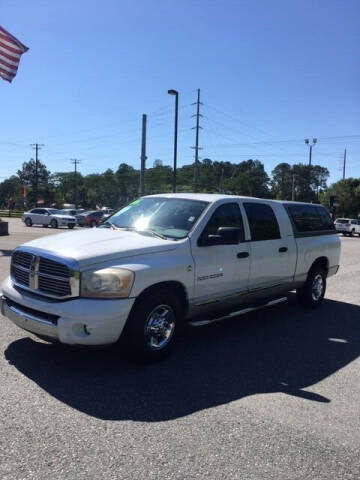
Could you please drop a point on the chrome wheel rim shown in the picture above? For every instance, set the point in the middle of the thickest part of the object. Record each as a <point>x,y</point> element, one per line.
<point>159,327</point>
<point>317,287</point>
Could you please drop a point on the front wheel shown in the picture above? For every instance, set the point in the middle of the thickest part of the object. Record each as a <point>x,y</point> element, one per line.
<point>71,226</point>
<point>54,223</point>
<point>152,327</point>
<point>311,294</point>
<point>352,233</point>
<point>28,222</point>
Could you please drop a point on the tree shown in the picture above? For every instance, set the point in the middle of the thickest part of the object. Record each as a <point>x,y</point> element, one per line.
<point>347,195</point>
<point>309,180</point>
<point>128,181</point>
<point>248,178</point>
<point>281,183</point>
<point>27,176</point>
<point>11,192</point>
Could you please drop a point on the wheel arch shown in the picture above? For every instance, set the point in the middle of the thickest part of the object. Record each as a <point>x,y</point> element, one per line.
<point>322,262</point>
<point>173,286</point>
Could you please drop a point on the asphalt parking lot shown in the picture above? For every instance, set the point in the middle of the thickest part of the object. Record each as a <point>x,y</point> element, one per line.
<point>271,395</point>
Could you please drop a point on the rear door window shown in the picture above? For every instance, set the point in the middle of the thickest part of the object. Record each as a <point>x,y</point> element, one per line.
<point>310,218</point>
<point>262,222</point>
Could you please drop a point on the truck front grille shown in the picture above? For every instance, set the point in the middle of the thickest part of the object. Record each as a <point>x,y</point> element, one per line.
<point>43,275</point>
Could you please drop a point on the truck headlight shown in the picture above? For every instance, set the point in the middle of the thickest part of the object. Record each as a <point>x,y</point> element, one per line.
<point>107,283</point>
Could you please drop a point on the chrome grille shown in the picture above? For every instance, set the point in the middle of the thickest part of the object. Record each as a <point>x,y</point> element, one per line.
<point>60,288</point>
<point>44,275</point>
<point>21,276</point>
<point>51,267</point>
<point>22,259</point>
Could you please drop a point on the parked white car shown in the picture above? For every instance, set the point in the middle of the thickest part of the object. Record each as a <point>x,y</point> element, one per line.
<point>165,261</point>
<point>347,226</point>
<point>48,216</point>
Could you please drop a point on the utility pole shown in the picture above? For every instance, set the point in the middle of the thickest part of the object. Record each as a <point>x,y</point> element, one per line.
<point>37,147</point>
<point>143,156</point>
<point>197,148</point>
<point>176,94</point>
<point>293,188</point>
<point>344,164</point>
<point>221,180</point>
<point>75,161</point>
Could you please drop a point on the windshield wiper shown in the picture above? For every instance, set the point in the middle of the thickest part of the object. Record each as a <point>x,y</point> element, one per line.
<point>154,233</point>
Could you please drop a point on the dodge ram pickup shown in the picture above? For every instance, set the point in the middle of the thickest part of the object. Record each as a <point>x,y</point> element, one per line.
<point>166,261</point>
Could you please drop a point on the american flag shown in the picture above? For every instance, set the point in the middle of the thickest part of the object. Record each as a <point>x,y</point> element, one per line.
<point>10,52</point>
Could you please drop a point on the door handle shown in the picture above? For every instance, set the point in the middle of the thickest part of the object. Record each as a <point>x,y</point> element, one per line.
<point>242,254</point>
<point>283,249</point>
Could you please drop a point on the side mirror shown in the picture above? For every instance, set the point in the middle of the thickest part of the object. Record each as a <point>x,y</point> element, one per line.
<point>230,235</point>
<point>224,236</point>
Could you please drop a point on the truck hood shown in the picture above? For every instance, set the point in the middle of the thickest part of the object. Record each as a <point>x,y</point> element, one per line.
<point>99,245</point>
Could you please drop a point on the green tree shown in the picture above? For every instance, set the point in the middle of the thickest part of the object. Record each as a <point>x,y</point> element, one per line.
<point>128,181</point>
<point>248,178</point>
<point>281,182</point>
<point>347,196</point>
<point>11,193</point>
<point>27,176</point>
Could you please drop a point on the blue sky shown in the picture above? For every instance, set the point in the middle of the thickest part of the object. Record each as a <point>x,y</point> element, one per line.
<point>271,73</point>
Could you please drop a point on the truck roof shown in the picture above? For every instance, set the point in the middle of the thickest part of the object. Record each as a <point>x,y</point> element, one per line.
<point>214,197</point>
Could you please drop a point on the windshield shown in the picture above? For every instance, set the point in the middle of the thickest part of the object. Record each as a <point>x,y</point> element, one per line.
<point>54,211</point>
<point>168,217</point>
<point>342,220</point>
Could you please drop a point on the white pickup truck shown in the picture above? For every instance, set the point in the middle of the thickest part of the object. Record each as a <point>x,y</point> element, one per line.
<point>165,261</point>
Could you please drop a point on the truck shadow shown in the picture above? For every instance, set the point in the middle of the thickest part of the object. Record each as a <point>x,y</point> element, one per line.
<point>281,349</point>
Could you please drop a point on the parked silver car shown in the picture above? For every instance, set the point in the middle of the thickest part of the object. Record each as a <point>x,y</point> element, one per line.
<point>48,216</point>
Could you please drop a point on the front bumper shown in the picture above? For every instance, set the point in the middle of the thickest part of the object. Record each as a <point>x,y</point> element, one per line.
<point>79,321</point>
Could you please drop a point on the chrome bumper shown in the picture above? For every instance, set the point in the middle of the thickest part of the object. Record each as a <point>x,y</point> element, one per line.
<point>27,321</point>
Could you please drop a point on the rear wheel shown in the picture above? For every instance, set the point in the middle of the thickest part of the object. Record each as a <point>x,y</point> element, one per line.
<point>92,224</point>
<point>54,223</point>
<point>28,222</point>
<point>152,327</point>
<point>71,226</point>
<point>311,294</point>
<point>352,233</point>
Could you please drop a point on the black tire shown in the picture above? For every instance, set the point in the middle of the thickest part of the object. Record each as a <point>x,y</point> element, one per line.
<point>138,340</point>
<point>71,226</point>
<point>311,294</point>
<point>54,223</point>
<point>28,222</point>
<point>93,224</point>
<point>352,233</point>
<point>45,226</point>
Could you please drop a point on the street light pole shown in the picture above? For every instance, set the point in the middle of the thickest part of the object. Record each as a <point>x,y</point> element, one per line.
<point>176,94</point>
<point>307,141</point>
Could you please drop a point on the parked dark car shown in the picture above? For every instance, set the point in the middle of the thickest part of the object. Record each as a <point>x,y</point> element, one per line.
<point>90,219</point>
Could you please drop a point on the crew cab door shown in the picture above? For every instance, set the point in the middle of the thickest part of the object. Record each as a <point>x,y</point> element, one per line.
<point>273,247</point>
<point>221,271</point>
